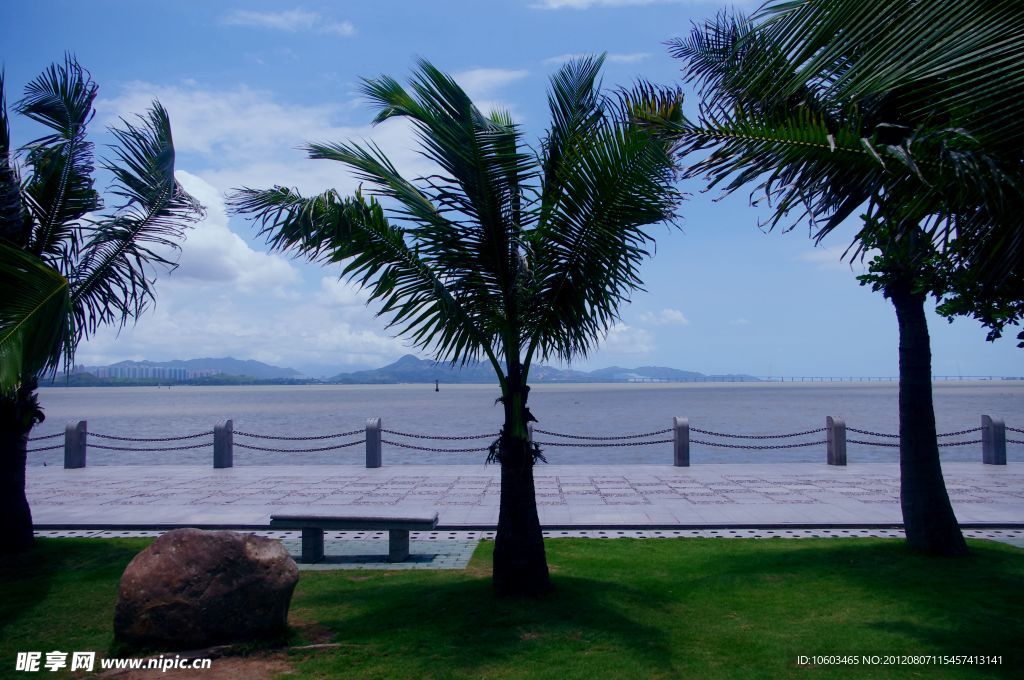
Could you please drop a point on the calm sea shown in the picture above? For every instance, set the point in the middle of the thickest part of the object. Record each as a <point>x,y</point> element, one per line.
<point>590,409</point>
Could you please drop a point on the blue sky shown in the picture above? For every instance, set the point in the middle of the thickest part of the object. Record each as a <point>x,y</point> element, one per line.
<point>246,83</point>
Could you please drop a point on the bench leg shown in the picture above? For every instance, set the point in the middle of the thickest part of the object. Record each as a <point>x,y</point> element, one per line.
<point>398,545</point>
<point>312,545</point>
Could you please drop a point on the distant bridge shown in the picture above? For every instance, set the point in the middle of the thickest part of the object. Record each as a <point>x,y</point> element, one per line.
<point>817,378</point>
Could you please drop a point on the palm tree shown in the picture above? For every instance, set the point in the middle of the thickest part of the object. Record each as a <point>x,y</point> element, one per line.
<point>67,267</point>
<point>503,254</point>
<point>903,111</point>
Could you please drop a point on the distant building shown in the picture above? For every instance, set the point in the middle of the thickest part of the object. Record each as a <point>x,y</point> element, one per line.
<point>168,373</point>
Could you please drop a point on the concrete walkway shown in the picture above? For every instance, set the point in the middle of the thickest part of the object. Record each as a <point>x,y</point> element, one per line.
<point>466,497</point>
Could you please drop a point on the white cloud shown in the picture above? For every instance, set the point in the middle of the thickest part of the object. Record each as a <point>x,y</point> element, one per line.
<point>341,293</point>
<point>611,57</point>
<point>587,4</point>
<point>666,317</point>
<point>482,82</point>
<point>832,259</point>
<point>739,322</point>
<point>623,339</point>
<point>247,138</point>
<point>290,21</point>
<point>213,253</point>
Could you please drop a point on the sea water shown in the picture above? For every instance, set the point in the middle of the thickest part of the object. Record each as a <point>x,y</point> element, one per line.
<point>601,410</point>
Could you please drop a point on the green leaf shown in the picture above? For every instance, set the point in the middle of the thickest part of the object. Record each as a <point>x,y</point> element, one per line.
<point>35,317</point>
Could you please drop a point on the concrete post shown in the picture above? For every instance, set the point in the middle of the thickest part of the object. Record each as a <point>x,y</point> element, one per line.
<point>681,442</point>
<point>224,444</point>
<point>529,432</point>
<point>993,441</point>
<point>373,457</point>
<point>75,435</point>
<point>836,440</point>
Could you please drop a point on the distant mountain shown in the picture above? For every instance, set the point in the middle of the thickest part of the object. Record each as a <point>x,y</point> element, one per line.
<point>226,365</point>
<point>410,369</point>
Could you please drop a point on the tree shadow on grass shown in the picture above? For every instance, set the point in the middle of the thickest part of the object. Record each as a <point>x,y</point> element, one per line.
<point>969,605</point>
<point>25,580</point>
<point>460,626</point>
<point>59,581</point>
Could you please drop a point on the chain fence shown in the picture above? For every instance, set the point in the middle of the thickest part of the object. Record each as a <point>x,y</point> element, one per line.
<point>578,440</point>
<point>45,448</point>
<point>491,435</point>
<point>148,449</point>
<point>298,439</point>
<point>757,436</point>
<point>596,438</point>
<point>430,449</point>
<point>602,445</point>
<point>150,439</point>
<point>333,447</point>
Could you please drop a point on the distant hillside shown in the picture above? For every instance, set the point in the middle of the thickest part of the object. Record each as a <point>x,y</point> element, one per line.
<point>410,369</point>
<point>226,365</point>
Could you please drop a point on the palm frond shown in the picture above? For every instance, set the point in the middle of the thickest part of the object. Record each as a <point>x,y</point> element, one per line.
<point>477,193</point>
<point>374,253</point>
<point>967,54</point>
<point>112,282</point>
<point>15,226</point>
<point>59,190</point>
<point>35,324</point>
<point>616,179</point>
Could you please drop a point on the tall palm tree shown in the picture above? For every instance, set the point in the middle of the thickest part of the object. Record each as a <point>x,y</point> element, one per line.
<point>505,253</point>
<point>903,111</point>
<point>66,266</point>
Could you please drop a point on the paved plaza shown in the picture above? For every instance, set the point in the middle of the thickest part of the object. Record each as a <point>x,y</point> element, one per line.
<point>466,497</point>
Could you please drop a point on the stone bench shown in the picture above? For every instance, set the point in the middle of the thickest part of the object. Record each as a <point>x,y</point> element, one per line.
<point>313,527</point>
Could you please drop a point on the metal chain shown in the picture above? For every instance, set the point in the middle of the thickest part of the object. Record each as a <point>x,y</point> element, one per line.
<point>298,439</point>
<point>973,441</point>
<point>757,436</point>
<point>602,446</point>
<point>45,436</point>
<point>433,450</point>
<point>438,436</point>
<point>1014,429</point>
<point>757,447</point>
<point>1009,441</point>
<point>858,441</point>
<point>625,436</point>
<point>873,434</point>
<point>314,450</point>
<point>149,439</point>
<point>959,432</point>
<point>45,448</point>
<point>896,436</point>
<point>164,448</point>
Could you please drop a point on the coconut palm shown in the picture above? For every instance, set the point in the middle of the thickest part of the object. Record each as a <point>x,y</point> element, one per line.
<point>902,111</point>
<point>503,254</point>
<point>66,266</point>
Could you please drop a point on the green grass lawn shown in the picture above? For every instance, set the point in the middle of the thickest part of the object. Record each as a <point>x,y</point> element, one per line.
<point>693,608</point>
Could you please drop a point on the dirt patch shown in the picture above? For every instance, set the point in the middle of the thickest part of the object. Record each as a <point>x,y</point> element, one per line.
<point>256,667</point>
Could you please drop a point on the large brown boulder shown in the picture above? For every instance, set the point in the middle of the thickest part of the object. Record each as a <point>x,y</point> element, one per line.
<point>194,588</point>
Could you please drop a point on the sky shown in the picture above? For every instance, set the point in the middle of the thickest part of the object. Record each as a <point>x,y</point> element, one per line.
<point>247,83</point>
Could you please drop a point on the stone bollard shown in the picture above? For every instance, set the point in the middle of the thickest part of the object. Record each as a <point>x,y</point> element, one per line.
<point>224,444</point>
<point>681,442</point>
<point>835,429</point>
<point>529,432</point>
<point>373,457</point>
<point>993,441</point>
<point>75,435</point>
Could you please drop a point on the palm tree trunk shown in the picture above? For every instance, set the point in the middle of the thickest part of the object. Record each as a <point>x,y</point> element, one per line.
<point>928,518</point>
<point>18,414</point>
<point>520,563</point>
